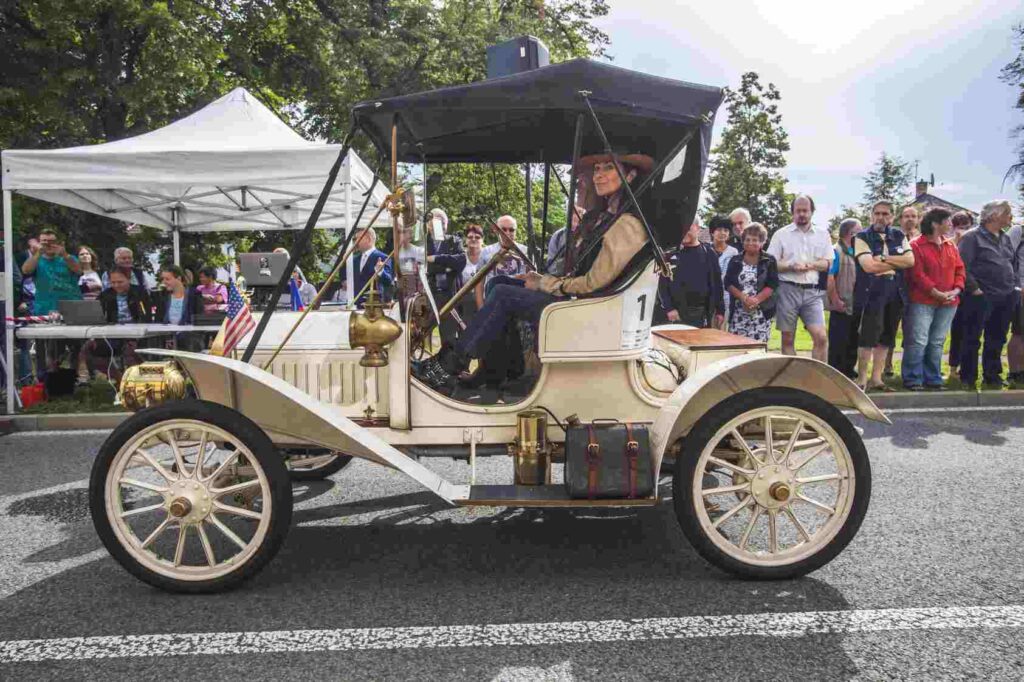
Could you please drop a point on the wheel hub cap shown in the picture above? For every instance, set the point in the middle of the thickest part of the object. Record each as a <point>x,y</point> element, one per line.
<point>190,501</point>
<point>773,486</point>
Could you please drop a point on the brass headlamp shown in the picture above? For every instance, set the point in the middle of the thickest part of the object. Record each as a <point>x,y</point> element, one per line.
<point>151,383</point>
<point>372,330</point>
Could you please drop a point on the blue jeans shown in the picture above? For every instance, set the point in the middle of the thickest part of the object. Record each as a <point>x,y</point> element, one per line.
<point>504,303</point>
<point>925,328</point>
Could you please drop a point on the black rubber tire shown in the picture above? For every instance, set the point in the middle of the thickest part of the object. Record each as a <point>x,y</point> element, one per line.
<point>705,429</point>
<point>237,425</point>
<point>320,473</point>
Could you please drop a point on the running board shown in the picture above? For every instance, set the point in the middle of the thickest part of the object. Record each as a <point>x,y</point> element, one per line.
<point>540,496</point>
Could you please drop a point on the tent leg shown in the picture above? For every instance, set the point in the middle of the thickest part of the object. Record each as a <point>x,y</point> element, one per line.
<point>176,241</point>
<point>9,299</point>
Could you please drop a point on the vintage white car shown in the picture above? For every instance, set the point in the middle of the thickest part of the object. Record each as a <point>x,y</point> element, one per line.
<point>769,478</point>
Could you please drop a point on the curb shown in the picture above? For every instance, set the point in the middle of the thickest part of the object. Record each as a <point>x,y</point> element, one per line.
<point>61,422</point>
<point>886,401</point>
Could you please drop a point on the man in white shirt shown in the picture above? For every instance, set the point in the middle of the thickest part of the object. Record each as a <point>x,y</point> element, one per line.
<point>803,252</point>
<point>509,267</point>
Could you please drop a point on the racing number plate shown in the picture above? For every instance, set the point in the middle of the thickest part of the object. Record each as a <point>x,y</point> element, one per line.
<point>636,319</point>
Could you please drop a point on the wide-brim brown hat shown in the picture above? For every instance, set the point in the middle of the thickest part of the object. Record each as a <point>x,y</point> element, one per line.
<point>642,162</point>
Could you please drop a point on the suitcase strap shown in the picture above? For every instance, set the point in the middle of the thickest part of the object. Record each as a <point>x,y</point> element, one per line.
<point>632,459</point>
<point>593,460</point>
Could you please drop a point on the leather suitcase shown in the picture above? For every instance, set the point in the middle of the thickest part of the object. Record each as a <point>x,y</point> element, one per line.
<point>608,460</point>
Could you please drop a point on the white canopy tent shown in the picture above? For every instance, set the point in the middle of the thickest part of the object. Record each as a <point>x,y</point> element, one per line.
<point>232,165</point>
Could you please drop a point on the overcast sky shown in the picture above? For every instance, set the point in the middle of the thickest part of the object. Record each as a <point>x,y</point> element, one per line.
<point>915,78</point>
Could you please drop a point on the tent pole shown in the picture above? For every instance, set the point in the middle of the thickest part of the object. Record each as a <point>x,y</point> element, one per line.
<point>299,246</point>
<point>544,218</point>
<point>176,241</point>
<point>9,299</point>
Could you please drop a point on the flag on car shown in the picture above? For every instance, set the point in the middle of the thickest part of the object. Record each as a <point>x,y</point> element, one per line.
<point>237,323</point>
<point>296,298</point>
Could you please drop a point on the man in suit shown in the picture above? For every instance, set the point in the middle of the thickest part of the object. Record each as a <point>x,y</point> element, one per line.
<point>369,260</point>
<point>446,258</point>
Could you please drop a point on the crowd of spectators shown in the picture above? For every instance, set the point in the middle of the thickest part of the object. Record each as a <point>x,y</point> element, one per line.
<point>944,281</point>
<point>47,272</point>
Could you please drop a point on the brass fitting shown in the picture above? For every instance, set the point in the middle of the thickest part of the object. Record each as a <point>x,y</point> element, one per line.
<point>780,491</point>
<point>151,383</point>
<point>372,330</point>
<point>531,453</point>
<point>180,507</point>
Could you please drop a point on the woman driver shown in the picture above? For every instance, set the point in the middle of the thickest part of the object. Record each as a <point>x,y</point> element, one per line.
<point>619,244</point>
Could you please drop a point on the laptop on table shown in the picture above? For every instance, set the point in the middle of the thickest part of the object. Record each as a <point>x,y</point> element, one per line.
<point>81,312</point>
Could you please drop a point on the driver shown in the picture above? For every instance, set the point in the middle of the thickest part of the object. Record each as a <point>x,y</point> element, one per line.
<point>528,296</point>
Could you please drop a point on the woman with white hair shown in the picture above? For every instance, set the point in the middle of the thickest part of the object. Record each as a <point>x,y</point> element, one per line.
<point>992,295</point>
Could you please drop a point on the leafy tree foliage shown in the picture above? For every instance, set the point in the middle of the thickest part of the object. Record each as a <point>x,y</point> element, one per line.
<point>747,166</point>
<point>1013,75</point>
<point>90,71</point>
<point>889,180</point>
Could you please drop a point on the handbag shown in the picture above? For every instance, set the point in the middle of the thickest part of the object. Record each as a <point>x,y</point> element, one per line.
<point>608,460</point>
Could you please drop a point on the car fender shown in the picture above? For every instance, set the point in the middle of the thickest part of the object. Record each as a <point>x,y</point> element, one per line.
<point>280,409</point>
<point>720,380</point>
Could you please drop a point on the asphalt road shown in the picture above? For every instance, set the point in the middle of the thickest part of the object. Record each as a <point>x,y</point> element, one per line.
<point>369,550</point>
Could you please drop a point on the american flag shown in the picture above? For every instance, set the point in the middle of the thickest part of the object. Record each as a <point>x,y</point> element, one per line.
<point>238,322</point>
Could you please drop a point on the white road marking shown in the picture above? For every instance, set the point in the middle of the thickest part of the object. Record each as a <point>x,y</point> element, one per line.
<point>512,634</point>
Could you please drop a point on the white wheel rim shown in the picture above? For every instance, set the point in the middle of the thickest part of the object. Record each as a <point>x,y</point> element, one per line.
<point>777,509</point>
<point>225,496</point>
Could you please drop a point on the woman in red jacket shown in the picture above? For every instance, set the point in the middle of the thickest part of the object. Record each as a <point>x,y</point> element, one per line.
<point>935,283</point>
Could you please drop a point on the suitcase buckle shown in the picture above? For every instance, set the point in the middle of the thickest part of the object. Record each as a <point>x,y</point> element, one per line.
<point>633,447</point>
<point>593,449</point>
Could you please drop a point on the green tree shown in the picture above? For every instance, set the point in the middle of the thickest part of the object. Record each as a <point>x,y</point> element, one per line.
<point>844,213</point>
<point>889,180</point>
<point>747,166</point>
<point>1013,75</point>
<point>85,72</point>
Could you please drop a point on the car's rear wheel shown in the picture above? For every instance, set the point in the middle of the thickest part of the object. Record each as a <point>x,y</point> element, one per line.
<point>190,497</point>
<point>772,484</point>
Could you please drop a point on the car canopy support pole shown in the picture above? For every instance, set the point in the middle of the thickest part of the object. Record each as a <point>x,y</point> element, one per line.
<point>299,246</point>
<point>577,143</point>
<point>544,218</point>
<point>9,300</point>
<point>396,231</point>
<point>659,255</point>
<point>531,242</point>
<point>648,181</point>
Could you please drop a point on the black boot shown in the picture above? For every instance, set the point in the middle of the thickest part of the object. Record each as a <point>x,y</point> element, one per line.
<point>441,371</point>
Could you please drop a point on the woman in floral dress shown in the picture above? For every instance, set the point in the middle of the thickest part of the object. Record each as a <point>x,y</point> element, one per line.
<point>751,280</point>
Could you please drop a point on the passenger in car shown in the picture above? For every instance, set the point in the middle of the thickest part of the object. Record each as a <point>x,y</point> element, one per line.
<point>599,254</point>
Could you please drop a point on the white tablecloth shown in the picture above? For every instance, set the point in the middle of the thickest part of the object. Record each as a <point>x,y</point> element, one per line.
<point>107,331</point>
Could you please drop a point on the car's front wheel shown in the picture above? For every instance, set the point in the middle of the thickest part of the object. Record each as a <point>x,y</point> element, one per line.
<point>190,497</point>
<point>771,484</point>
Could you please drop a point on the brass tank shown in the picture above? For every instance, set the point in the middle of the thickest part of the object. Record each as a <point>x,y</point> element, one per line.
<point>531,454</point>
<point>151,383</point>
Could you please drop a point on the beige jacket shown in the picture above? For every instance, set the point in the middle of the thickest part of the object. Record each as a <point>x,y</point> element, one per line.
<point>618,246</point>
